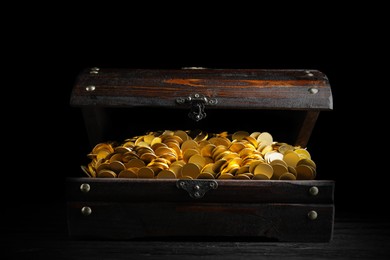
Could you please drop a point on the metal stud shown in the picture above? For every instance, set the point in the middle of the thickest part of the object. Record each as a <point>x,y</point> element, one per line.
<point>314,191</point>
<point>85,187</point>
<point>90,88</point>
<point>313,90</point>
<point>86,211</point>
<point>312,215</point>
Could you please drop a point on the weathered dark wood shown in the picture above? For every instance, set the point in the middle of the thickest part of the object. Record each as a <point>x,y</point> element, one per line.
<point>96,123</point>
<point>306,128</point>
<point>232,191</point>
<point>280,222</point>
<point>252,88</point>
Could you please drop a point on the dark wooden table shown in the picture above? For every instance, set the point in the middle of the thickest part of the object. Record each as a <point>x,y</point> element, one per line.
<point>40,232</point>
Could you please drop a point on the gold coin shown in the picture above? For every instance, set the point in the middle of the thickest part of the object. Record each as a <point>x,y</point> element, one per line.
<point>145,173</point>
<point>189,153</point>
<point>255,135</point>
<point>116,157</point>
<point>243,169</point>
<point>307,162</point>
<point>239,135</point>
<point>135,163</point>
<point>148,138</point>
<point>121,149</point>
<point>273,155</point>
<point>303,153</point>
<point>117,166</point>
<point>189,144</point>
<point>250,175</point>
<point>304,172</point>
<point>265,169</point>
<point>126,157</point>
<point>292,170</point>
<point>103,166</point>
<point>265,138</point>
<point>287,176</point>
<point>266,149</point>
<point>156,140</point>
<point>205,175</point>
<point>106,174</point>
<point>218,165</point>
<point>277,161</point>
<point>198,160</point>
<point>279,170</point>
<point>245,152</point>
<point>291,158</point>
<point>176,148</point>
<point>179,162</point>
<point>226,176</point>
<point>143,149</point>
<point>252,141</point>
<point>207,150</point>
<point>236,147</point>
<point>285,147</point>
<point>191,170</point>
<point>201,137</point>
<point>168,156</point>
<point>176,169</point>
<point>158,145</point>
<point>208,168</point>
<point>148,157</point>
<point>182,134</point>
<point>101,147</point>
<point>220,141</point>
<point>186,178</point>
<point>260,177</point>
<point>166,174</point>
<point>253,165</point>
<point>128,173</point>
<point>242,177</point>
<point>102,154</point>
<point>129,144</point>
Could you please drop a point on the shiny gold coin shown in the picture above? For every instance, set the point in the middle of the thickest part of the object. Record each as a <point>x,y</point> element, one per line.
<point>176,148</point>
<point>148,157</point>
<point>291,158</point>
<point>103,166</point>
<point>198,160</point>
<point>252,141</point>
<point>191,170</point>
<point>250,175</point>
<point>169,156</point>
<point>166,174</point>
<point>222,155</point>
<point>304,172</point>
<point>260,177</point>
<point>266,149</point>
<point>303,153</point>
<point>121,149</point>
<point>279,170</point>
<point>241,177</point>
<point>176,169</point>
<point>129,144</point>
<point>307,162</point>
<point>138,163</point>
<point>201,137</point>
<point>255,135</point>
<point>102,154</point>
<point>143,149</point>
<point>265,138</point>
<point>205,175</point>
<point>208,168</point>
<point>158,145</point>
<point>189,153</point>
<point>218,165</point>
<point>226,176</point>
<point>182,134</point>
<point>106,174</point>
<point>148,138</point>
<point>232,156</point>
<point>159,165</point>
<point>236,146</point>
<point>245,152</point>
<point>156,140</point>
<point>117,166</point>
<point>179,162</point>
<point>127,174</point>
<point>277,161</point>
<point>207,150</point>
<point>287,176</point>
<point>163,150</point>
<point>220,141</point>
<point>239,135</point>
<point>292,170</point>
<point>189,144</point>
<point>126,157</point>
<point>285,147</point>
<point>273,155</point>
<point>116,157</point>
<point>265,169</point>
<point>217,151</point>
<point>186,178</point>
<point>103,146</point>
<point>145,173</point>
<point>253,165</point>
<point>243,169</point>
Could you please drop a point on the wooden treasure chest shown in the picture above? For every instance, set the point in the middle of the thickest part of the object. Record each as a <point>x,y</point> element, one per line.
<point>198,152</point>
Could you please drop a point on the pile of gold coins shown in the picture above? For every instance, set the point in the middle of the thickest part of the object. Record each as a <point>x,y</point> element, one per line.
<point>187,155</point>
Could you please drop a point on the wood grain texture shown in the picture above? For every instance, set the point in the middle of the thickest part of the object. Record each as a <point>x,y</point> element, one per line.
<point>250,88</point>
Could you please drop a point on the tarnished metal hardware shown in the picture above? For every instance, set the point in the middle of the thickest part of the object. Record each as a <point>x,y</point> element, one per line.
<point>312,214</point>
<point>314,191</point>
<point>196,188</point>
<point>197,103</point>
<point>85,187</point>
<point>94,70</point>
<point>86,211</point>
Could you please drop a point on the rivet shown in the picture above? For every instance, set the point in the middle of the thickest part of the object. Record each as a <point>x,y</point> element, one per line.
<point>312,215</point>
<point>85,187</point>
<point>95,68</point>
<point>196,95</point>
<point>313,90</point>
<point>90,88</point>
<point>86,211</point>
<point>313,191</point>
<point>196,187</point>
<point>197,195</point>
<point>182,184</point>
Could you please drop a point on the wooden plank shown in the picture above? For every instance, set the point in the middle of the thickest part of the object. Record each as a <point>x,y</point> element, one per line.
<point>234,191</point>
<point>96,124</point>
<point>259,89</point>
<point>274,222</point>
<point>307,126</point>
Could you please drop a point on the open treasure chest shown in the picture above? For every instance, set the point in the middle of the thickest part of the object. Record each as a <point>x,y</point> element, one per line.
<point>197,152</point>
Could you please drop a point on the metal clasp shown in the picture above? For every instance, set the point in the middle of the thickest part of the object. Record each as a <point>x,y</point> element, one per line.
<point>198,103</point>
<point>196,188</point>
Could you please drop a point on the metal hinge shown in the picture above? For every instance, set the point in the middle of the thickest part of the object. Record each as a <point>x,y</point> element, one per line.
<point>196,188</point>
<point>198,103</point>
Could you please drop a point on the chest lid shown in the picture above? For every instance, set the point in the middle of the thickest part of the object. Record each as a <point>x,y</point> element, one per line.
<point>216,88</point>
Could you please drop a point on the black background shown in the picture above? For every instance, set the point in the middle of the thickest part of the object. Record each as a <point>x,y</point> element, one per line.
<point>44,140</point>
